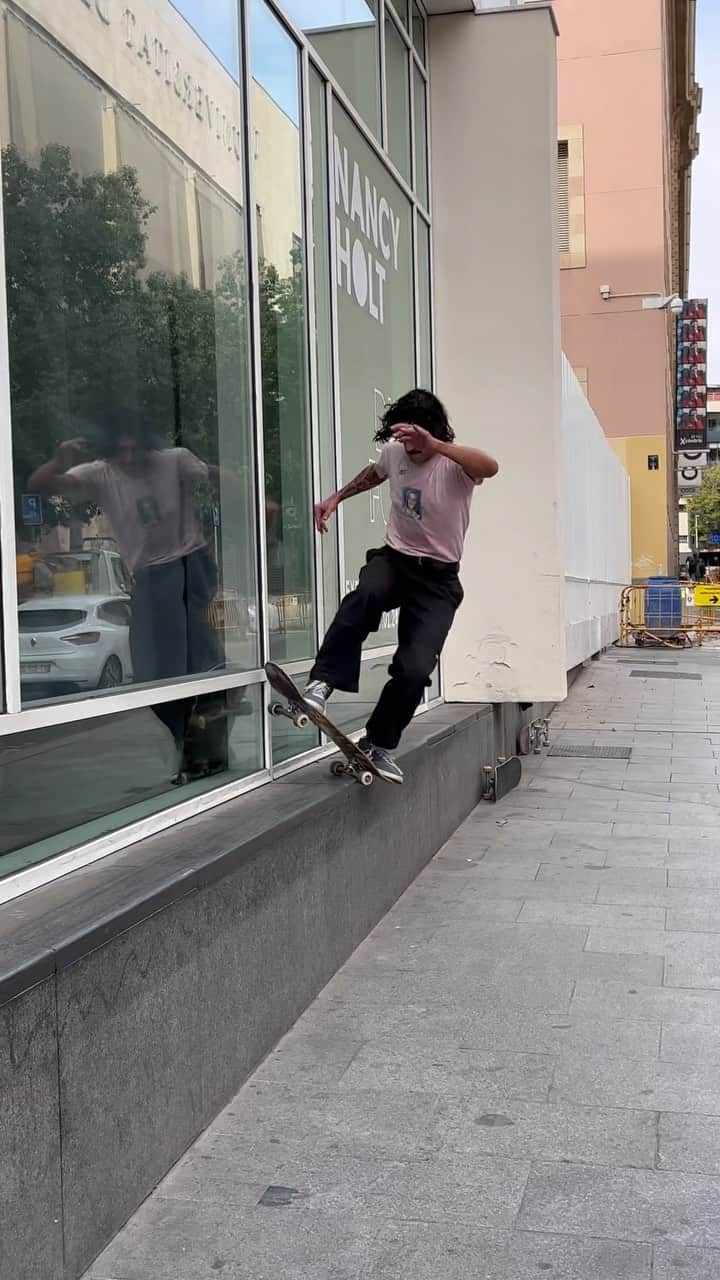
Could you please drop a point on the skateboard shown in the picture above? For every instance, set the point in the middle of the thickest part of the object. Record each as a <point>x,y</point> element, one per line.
<point>203,751</point>
<point>502,778</point>
<point>356,764</point>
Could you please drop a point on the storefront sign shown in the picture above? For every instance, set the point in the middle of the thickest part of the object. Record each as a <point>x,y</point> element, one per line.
<point>367,235</point>
<point>157,57</point>
<point>691,414</point>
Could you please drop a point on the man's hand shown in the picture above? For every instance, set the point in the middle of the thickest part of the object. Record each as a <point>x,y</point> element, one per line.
<point>323,512</point>
<point>415,439</point>
<point>70,453</point>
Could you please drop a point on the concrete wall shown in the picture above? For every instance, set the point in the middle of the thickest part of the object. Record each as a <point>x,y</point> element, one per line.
<point>611,86</point>
<point>498,341</point>
<point>596,527</point>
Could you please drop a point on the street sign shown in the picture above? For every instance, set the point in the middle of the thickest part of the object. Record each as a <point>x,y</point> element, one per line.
<point>715,538</point>
<point>708,595</point>
<point>32,508</point>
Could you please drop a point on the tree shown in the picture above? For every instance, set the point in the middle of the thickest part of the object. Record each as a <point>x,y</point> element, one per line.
<point>705,506</point>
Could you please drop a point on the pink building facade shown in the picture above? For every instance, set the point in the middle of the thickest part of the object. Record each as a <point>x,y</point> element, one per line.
<point>628,106</point>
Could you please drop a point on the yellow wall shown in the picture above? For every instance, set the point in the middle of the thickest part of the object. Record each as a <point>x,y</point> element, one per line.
<point>648,502</point>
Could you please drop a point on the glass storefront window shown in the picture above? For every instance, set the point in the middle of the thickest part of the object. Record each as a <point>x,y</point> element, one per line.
<point>418,31</point>
<point>421,140</point>
<point>67,784</point>
<point>424,334</point>
<point>397,78</point>
<point>434,690</point>
<point>319,190</point>
<point>374,291</point>
<point>344,34</point>
<point>129,350</point>
<point>283,336</point>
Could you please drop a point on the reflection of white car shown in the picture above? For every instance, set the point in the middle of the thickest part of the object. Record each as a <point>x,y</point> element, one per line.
<point>73,643</point>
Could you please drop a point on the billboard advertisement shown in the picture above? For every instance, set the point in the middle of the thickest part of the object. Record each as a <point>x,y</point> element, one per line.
<point>691,411</point>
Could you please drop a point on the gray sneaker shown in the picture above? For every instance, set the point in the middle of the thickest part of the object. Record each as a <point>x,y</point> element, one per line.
<point>316,694</point>
<point>388,768</point>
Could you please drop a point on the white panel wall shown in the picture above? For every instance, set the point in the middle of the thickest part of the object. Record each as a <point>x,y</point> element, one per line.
<point>595,513</point>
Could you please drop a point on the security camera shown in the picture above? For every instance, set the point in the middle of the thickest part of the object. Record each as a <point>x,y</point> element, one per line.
<point>676,305</point>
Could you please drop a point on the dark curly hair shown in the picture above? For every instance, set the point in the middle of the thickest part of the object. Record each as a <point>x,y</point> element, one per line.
<point>422,409</point>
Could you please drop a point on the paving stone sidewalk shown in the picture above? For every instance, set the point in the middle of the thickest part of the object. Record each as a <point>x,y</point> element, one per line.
<point>517,1075</point>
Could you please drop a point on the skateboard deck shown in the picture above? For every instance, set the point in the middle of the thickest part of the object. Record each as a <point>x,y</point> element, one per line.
<point>357,765</point>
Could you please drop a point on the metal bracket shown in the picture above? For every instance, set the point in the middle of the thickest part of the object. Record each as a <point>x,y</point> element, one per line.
<point>538,735</point>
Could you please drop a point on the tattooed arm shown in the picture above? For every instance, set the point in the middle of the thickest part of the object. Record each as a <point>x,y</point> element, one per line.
<point>366,479</point>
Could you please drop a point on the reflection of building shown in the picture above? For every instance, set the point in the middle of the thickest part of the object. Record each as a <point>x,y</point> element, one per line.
<point>275,146</point>
<point>88,78</point>
<point>628,105</point>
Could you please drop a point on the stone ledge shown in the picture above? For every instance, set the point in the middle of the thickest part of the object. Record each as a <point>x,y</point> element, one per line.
<point>56,925</point>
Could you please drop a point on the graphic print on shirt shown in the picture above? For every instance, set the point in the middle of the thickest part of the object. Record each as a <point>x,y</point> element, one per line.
<point>148,510</point>
<point>412,503</point>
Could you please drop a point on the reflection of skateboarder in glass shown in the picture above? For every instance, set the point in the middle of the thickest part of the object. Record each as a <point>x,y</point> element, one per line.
<point>147,493</point>
<point>431,482</point>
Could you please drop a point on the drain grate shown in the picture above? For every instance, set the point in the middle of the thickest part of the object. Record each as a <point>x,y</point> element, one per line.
<point>592,753</point>
<point>667,675</point>
<point>646,662</point>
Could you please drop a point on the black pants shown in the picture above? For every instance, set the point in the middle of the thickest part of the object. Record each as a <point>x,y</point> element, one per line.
<point>427,593</point>
<point>170,633</point>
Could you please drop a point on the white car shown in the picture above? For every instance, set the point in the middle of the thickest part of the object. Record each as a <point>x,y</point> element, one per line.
<point>70,644</point>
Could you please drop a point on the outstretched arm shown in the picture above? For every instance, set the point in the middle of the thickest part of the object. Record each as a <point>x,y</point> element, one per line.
<point>51,477</point>
<point>476,464</point>
<point>366,479</point>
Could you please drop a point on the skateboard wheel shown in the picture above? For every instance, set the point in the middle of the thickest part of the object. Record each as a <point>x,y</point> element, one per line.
<point>276,709</point>
<point>338,770</point>
<point>366,778</point>
<point>302,720</point>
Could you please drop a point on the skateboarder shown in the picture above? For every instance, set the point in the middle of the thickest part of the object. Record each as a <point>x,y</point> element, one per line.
<point>431,482</point>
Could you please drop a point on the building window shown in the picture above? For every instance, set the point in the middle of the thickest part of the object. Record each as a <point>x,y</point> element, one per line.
<point>570,197</point>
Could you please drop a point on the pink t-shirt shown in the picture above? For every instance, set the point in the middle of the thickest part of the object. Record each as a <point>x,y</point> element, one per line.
<point>151,510</point>
<point>430,504</point>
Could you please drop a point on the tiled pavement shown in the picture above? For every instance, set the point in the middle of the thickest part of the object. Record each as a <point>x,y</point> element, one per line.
<point>518,1074</point>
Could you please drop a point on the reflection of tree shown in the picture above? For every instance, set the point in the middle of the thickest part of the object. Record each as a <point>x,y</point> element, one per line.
<point>93,333</point>
<point>283,356</point>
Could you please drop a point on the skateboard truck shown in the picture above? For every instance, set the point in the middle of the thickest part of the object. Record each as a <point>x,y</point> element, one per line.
<point>292,712</point>
<point>501,778</point>
<point>355,764</point>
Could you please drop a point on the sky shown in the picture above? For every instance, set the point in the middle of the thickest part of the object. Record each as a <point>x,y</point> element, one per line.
<point>705,234</point>
<point>275,63</point>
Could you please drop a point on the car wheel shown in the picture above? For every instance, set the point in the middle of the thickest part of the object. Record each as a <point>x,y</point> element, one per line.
<point>112,674</point>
